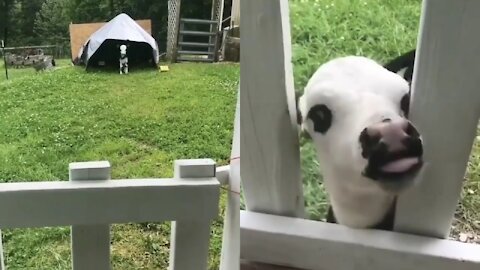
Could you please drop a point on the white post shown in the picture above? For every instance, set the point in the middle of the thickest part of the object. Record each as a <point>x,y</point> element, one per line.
<point>172,31</point>
<point>445,107</point>
<point>235,21</point>
<point>90,243</point>
<point>190,238</point>
<point>230,258</point>
<point>217,14</point>
<point>269,139</point>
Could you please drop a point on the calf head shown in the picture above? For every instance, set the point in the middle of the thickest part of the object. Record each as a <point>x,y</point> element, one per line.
<point>355,111</point>
<point>123,50</point>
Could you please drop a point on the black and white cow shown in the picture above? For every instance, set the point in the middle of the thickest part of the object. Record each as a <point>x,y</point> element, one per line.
<point>123,60</point>
<point>355,111</point>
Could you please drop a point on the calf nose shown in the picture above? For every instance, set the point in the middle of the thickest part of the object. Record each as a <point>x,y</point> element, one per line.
<point>393,135</point>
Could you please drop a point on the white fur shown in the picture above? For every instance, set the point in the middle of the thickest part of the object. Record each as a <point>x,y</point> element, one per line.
<point>123,61</point>
<point>359,92</point>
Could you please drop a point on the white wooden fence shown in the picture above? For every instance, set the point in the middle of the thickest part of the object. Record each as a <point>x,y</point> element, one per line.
<point>445,108</point>
<point>90,202</point>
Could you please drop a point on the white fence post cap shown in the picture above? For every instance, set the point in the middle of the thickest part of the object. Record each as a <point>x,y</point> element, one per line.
<point>91,170</point>
<point>194,168</point>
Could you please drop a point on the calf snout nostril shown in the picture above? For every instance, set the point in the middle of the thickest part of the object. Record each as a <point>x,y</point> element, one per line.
<point>386,120</point>
<point>389,135</point>
<point>412,131</point>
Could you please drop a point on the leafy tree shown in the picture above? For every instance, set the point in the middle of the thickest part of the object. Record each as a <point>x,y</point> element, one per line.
<point>35,22</point>
<point>27,9</point>
<point>86,11</point>
<point>51,22</point>
<point>5,10</point>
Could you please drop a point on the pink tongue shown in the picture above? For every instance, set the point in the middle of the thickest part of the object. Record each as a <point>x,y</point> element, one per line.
<point>400,165</point>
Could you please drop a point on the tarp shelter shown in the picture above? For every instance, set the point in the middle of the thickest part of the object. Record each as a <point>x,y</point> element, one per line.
<point>102,48</point>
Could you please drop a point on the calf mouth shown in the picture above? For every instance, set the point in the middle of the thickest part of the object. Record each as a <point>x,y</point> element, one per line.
<point>394,171</point>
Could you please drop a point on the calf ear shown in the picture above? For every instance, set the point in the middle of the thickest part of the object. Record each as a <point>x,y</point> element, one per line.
<point>405,60</point>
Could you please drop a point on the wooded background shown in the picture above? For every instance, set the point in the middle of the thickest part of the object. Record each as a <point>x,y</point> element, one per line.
<point>42,22</point>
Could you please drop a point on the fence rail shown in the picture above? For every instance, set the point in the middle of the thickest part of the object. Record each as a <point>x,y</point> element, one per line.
<point>309,244</point>
<point>60,50</point>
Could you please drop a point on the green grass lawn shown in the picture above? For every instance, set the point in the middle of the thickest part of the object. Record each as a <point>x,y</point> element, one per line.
<point>382,30</point>
<point>141,123</point>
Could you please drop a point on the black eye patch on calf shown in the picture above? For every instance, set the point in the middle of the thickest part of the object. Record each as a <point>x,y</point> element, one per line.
<point>299,114</point>
<point>321,117</point>
<point>405,104</point>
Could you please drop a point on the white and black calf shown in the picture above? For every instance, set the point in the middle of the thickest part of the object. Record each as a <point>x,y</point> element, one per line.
<point>123,60</point>
<point>355,111</point>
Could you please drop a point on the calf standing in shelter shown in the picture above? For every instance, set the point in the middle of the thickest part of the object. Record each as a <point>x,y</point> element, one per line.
<point>123,59</point>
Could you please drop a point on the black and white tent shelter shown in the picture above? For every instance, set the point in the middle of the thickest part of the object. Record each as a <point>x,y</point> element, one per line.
<point>102,48</point>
